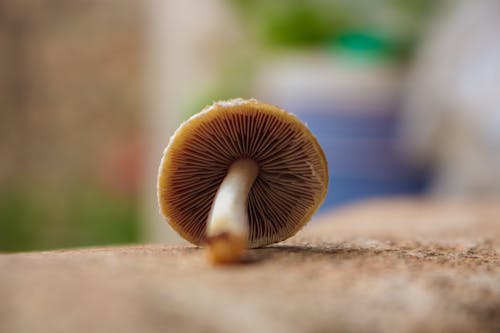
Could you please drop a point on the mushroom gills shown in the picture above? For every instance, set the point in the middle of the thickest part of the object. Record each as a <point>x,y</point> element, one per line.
<point>228,222</point>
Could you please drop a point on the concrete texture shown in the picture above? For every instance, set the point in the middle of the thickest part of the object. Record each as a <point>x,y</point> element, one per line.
<point>384,266</point>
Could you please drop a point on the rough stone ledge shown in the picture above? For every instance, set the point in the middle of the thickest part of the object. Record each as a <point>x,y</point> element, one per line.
<point>385,266</point>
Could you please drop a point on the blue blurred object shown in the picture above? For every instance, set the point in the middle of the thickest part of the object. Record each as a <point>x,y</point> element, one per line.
<point>362,154</point>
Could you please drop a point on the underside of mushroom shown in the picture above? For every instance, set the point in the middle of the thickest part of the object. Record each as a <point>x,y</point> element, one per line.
<point>241,174</point>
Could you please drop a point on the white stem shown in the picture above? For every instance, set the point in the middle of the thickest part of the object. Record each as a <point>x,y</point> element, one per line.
<point>227,225</point>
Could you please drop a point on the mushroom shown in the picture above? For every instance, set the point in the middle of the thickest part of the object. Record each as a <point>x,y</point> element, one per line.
<point>241,174</point>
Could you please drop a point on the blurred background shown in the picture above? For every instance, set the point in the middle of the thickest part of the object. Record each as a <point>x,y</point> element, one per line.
<point>403,96</point>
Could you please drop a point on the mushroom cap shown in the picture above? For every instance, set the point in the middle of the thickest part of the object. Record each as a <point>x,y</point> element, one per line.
<point>293,172</point>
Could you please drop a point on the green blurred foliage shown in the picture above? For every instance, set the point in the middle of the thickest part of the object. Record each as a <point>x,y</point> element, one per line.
<point>86,216</point>
<point>290,23</point>
<point>313,23</point>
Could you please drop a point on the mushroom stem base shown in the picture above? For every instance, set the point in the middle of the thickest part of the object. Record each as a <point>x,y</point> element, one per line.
<point>225,248</point>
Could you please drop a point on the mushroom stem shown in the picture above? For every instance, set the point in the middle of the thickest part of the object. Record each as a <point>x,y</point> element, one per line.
<point>227,225</point>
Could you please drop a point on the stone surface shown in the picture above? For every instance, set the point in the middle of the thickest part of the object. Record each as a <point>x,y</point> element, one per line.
<point>384,266</point>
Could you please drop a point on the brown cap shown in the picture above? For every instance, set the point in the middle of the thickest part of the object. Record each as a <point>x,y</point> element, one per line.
<point>292,170</point>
